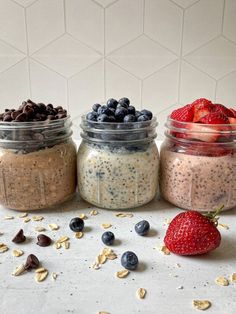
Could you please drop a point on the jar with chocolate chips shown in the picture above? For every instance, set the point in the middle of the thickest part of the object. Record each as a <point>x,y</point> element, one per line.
<point>37,157</point>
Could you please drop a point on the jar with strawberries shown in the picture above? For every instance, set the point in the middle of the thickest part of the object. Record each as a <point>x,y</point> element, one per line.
<point>198,157</point>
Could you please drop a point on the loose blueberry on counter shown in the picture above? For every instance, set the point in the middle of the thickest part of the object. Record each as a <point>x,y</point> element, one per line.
<point>146,113</point>
<point>76,224</point>
<point>112,103</point>
<point>129,260</point>
<point>131,110</point>
<point>103,118</point>
<point>142,227</point>
<point>129,118</point>
<point>92,116</point>
<point>124,101</point>
<point>143,118</point>
<point>120,113</point>
<point>108,238</point>
<point>95,107</point>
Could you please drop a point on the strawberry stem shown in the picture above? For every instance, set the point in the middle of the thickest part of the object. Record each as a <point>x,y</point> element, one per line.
<point>214,217</point>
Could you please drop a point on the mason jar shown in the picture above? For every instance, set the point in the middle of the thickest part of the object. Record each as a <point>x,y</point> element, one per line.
<point>37,164</point>
<point>198,165</point>
<point>118,163</point>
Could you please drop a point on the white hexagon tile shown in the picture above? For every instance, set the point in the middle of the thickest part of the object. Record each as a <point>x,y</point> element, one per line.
<point>160,53</point>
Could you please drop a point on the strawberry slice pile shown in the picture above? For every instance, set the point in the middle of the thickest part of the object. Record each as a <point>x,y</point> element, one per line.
<point>200,116</point>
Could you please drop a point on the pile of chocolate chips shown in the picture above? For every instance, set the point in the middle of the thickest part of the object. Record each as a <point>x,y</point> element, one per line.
<point>29,111</point>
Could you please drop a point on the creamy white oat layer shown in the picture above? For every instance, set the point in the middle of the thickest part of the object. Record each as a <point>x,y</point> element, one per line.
<point>117,178</point>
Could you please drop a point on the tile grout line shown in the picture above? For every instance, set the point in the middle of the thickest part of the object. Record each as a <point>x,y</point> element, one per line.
<point>64,11</point>
<point>27,46</point>
<point>162,68</point>
<point>216,91</point>
<point>160,44</point>
<point>223,17</point>
<point>196,68</point>
<point>83,43</point>
<point>47,44</point>
<point>120,67</point>
<point>13,47</point>
<point>12,66</point>
<point>180,58</point>
<point>67,95</point>
<point>48,68</point>
<point>85,69</point>
<point>141,94</point>
<point>122,46</point>
<point>143,15</point>
<point>104,54</point>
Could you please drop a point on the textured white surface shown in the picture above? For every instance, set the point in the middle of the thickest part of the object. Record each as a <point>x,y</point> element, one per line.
<point>159,53</point>
<point>79,289</point>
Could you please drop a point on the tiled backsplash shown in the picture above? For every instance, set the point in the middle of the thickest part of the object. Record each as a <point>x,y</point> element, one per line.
<point>159,53</point>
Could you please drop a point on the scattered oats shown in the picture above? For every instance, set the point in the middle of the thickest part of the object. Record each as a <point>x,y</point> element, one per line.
<point>27,219</point>
<point>106,251</point>
<point>79,235</point>
<point>165,250</point>
<point>180,288</point>
<point>106,226</point>
<point>122,273</point>
<point>222,281</point>
<point>201,304</point>
<point>123,215</point>
<point>3,248</point>
<point>83,216</point>
<point>178,265</point>
<point>93,212</point>
<point>233,277</point>
<point>17,253</point>
<point>54,276</point>
<point>111,256</point>
<point>96,266</point>
<point>66,245</point>
<point>102,312</point>
<point>41,274</point>
<point>40,229</point>
<point>141,292</point>
<point>8,217</point>
<point>23,215</point>
<point>62,239</point>
<point>19,270</point>
<point>53,227</point>
<point>101,259</point>
<point>223,226</point>
<point>167,221</point>
<point>57,245</point>
<point>37,218</point>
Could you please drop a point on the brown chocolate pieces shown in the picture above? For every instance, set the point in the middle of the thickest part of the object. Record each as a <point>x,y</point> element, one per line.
<point>19,237</point>
<point>32,262</point>
<point>43,240</point>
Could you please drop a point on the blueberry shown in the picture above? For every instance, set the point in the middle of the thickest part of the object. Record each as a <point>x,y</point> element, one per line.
<point>143,118</point>
<point>129,260</point>
<point>147,113</point>
<point>108,238</point>
<point>95,107</point>
<point>129,118</point>
<point>112,119</point>
<point>142,227</point>
<point>131,110</point>
<point>76,224</point>
<point>103,118</point>
<point>120,113</point>
<point>92,116</point>
<point>137,114</point>
<point>112,103</point>
<point>105,110</point>
<point>124,101</point>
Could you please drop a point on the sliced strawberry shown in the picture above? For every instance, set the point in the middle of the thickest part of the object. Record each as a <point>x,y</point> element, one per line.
<point>232,121</point>
<point>222,109</point>
<point>183,114</point>
<point>215,118</point>
<point>202,107</point>
<point>202,133</point>
<point>234,112</point>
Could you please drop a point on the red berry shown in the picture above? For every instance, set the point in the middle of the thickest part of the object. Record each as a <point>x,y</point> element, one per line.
<point>202,107</point>
<point>183,114</point>
<point>234,112</point>
<point>191,233</point>
<point>215,118</point>
<point>222,109</point>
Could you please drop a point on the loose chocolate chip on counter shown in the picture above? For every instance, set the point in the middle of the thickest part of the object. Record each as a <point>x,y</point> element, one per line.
<point>19,237</point>
<point>32,262</point>
<point>43,240</point>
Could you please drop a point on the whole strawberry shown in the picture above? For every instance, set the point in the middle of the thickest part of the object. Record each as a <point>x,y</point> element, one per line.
<point>191,233</point>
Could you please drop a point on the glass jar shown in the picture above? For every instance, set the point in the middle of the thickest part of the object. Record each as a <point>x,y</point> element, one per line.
<point>118,163</point>
<point>198,165</point>
<point>37,164</point>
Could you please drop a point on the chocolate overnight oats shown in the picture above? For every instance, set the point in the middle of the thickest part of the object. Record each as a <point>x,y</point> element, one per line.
<point>37,157</point>
<point>198,159</point>
<point>118,158</point>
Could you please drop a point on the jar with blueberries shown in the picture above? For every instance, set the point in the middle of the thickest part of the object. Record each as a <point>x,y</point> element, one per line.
<point>37,157</point>
<point>118,158</point>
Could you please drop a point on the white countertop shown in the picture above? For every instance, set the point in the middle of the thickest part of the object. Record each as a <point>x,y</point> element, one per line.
<point>80,289</point>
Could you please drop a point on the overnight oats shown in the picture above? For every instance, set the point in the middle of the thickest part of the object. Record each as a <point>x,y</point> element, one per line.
<point>198,157</point>
<point>37,157</point>
<point>118,158</point>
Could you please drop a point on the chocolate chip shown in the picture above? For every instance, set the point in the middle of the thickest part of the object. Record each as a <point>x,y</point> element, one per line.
<point>28,110</point>
<point>32,262</point>
<point>61,115</point>
<point>16,113</point>
<point>22,117</point>
<point>7,118</point>
<point>49,106</point>
<point>43,240</point>
<point>19,237</point>
<point>51,117</point>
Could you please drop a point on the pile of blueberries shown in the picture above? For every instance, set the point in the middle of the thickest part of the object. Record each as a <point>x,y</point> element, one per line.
<point>118,111</point>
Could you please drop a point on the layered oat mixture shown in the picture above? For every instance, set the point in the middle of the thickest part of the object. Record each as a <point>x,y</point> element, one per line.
<point>117,177</point>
